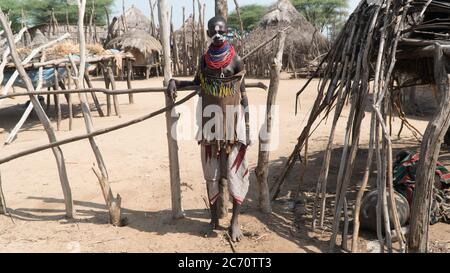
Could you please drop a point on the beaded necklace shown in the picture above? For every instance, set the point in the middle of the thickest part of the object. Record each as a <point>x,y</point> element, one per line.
<point>219,57</point>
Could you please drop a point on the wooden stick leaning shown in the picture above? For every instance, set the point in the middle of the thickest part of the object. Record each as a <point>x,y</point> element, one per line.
<point>3,208</point>
<point>27,112</point>
<point>5,55</point>
<point>112,203</point>
<point>70,211</point>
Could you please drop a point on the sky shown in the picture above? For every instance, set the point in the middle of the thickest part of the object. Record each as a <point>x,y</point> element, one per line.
<point>178,7</point>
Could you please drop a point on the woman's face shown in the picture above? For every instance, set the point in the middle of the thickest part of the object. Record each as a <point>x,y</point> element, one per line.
<point>217,32</point>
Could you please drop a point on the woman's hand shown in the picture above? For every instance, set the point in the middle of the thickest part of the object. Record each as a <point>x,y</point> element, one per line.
<point>172,90</point>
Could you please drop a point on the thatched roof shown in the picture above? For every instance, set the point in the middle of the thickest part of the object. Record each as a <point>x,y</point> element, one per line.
<point>38,39</point>
<point>189,32</point>
<point>135,19</point>
<point>300,37</point>
<point>138,39</point>
<point>284,12</point>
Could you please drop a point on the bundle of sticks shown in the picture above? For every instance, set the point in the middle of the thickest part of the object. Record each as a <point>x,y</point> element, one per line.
<point>363,60</point>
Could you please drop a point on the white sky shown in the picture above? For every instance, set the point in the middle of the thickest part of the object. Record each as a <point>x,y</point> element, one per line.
<point>178,7</point>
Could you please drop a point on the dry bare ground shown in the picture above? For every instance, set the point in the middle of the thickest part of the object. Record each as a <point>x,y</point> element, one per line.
<point>137,161</point>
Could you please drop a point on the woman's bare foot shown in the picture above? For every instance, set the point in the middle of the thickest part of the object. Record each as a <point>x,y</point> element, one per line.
<point>236,232</point>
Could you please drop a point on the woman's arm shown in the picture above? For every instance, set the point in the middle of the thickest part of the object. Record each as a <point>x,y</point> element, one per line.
<point>175,84</point>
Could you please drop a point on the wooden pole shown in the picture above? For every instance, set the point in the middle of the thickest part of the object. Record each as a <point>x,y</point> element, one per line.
<point>107,17</point>
<point>241,26</point>
<point>112,81</point>
<point>117,92</point>
<point>69,96</point>
<point>222,8</point>
<point>112,203</point>
<point>91,20</point>
<point>177,211</point>
<point>194,59</point>
<point>94,96</point>
<point>176,58</point>
<point>152,16</point>
<point>27,112</point>
<point>185,49</point>
<point>204,34</point>
<point>129,77</point>
<point>429,153</point>
<point>3,209</point>
<point>107,83</point>
<point>57,101</point>
<point>70,211</point>
<point>201,29</point>
<point>124,19</point>
<point>262,170</point>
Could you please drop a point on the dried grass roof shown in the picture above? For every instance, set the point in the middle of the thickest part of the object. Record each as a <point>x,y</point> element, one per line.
<point>135,20</point>
<point>299,38</point>
<point>189,32</point>
<point>38,39</point>
<point>138,39</point>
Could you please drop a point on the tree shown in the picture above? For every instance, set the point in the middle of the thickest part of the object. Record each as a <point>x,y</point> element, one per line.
<point>326,15</point>
<point>251,16</point>
<point>39,11</point>
<point>13,9</point>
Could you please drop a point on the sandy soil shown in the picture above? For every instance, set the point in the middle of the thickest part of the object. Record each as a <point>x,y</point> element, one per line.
<point>137,161</point>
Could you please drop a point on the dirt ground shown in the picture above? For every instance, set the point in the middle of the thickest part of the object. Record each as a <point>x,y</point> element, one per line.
<point>137,162</point>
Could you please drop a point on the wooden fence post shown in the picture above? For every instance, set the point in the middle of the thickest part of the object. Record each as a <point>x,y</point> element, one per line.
<point>177,211</point>
<point>262,170</point>
<point>3,209</point>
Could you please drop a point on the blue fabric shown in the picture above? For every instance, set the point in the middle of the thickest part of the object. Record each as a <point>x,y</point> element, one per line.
<point>48,77</point>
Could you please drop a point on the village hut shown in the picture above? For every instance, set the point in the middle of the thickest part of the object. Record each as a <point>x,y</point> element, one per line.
<point>304,43</point>
<point>133,19</point>
<point>145,48</point>
<point>38,39</point>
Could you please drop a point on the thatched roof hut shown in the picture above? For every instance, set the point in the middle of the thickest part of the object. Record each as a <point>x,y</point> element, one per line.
<point>189,32</point>
<point>140,43</point>
<point>134,19</point>
<point>303,42</point>
<point>38,39</point>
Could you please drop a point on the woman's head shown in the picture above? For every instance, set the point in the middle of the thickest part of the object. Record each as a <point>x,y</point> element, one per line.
<point>217,30</point>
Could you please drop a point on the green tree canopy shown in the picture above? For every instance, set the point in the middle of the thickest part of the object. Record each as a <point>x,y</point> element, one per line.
<point>13,9</point>
<point>326,15</point>
<point>39,11</point>
<point>250,14</point>
<point>323,14</point>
